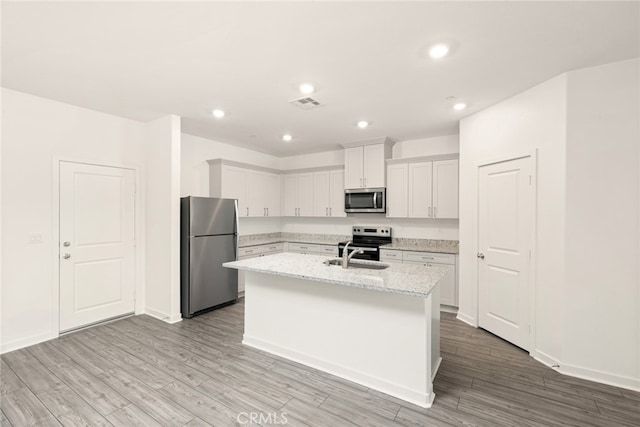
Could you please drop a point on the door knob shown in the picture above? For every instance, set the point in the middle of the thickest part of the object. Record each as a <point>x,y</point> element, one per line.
<point>66,244</point>
<point>66,256</point>
<point>480,255</point>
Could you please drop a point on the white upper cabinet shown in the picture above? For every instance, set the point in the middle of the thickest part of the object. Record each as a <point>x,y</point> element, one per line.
<point>321,193</point>
<point>445,189</point>
<point>423,189</point>
<point>364,165</point>
<point>328,191</point>
<point>373,164</point>
<point>258,192</point>
<point>397,194</point>
<point>353,167</point>
<point>273,193</point>
<point>336,205</point>
<point>419,190</point>
<point>298,194</point>
<point>231,183</point>
<point>256,200</point>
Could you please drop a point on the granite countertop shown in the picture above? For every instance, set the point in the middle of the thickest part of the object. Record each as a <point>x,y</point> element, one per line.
<point>405,279</point>
<point>268,238</point>
<point>401,244</point>
<point>424,245</point>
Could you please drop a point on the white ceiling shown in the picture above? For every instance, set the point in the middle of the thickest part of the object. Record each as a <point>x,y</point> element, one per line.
<point>367,60</point>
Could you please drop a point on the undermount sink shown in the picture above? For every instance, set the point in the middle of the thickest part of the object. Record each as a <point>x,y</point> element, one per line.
<point>356,264</point>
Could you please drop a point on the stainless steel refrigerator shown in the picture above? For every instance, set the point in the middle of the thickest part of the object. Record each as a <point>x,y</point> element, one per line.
<point>209,237</point>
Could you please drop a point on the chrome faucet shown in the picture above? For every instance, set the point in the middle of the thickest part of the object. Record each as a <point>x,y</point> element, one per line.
<point>346,256</point>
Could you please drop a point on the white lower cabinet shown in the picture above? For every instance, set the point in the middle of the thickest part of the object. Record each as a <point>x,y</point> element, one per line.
<point>254,252</point>
<point>312,248</point>
<point>391,256</point>
<point>448,285</point>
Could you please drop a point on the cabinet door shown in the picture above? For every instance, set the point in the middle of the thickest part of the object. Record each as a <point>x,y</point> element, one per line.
<point>373,165</point>
<point>256,200</point>
<point>234,186</point>
<point>420,190</point>
<point>273,194</point>
<point>445,189</point>
<point>321,193</point>
<point>305,194</point>
<point>290,196</point>
<point>448,285</point>
<point>397,191</point>
<point>336,205</point>
<point>353,167</point>
<point>448,291</point>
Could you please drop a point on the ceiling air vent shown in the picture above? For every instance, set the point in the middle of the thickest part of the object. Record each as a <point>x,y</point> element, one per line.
<point>306,103</point>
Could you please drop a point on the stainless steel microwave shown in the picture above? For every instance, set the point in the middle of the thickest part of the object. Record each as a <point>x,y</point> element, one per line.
<point>366,200</point>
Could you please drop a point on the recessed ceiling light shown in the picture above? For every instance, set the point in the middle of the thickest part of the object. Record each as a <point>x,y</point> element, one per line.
<point>363,124</point>
<point>438,51</point>
<point>287,137</point>
<point>218,113</point>
<point>460,106</point>
<point>307,88</point>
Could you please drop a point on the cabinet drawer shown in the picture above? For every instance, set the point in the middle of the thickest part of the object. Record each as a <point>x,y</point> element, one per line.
<point>251,251</point>
<point>390,255</point>
<point>310,248</point>
<point>429,257</point>
<point>274,247</point>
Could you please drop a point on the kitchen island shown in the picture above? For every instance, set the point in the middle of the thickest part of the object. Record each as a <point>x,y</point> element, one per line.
<point>378,328</point>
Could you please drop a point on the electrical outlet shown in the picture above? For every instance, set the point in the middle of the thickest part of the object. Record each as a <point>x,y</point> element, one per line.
<point>35,238</point>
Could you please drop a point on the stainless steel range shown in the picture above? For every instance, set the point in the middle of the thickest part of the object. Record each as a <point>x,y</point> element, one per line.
<point>369,239</point>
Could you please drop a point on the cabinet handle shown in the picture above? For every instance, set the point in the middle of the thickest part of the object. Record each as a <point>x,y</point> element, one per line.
<point>326,211</point>
<point>435,211</point>
<point>247,210</point>
<point>330,214</point>
<point>365,182</point>
<point>361,182</point>
<point>248,252</point>
<point>267,211</point>
<point>429,211</point>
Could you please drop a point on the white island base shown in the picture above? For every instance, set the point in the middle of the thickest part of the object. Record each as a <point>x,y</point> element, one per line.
<point>386,341</point>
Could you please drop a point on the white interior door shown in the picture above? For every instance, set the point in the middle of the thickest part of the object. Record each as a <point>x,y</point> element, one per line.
<point>505,215</point>
<point>97,211</point>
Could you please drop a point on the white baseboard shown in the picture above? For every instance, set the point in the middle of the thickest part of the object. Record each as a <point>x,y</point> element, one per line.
<point>545,359</point>
<point>449,309</point>
<point>416,397</point>
<point>26,342</point>
<point>466,319</point>
<point>600,377</point>
<point>628,383</point>
<point>163,316</point>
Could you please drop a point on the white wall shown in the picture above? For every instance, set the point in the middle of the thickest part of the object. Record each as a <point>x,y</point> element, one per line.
<point>34,131</point>
<point>584,125</point>
<point>447,144</point>
<point>327,158</point>
<point>162,140</point>
<point>601,289</point>
<point>534,119</point>
<point>196,151</point>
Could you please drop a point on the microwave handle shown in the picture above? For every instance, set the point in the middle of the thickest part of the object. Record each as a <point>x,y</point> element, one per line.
<point>375,196</point>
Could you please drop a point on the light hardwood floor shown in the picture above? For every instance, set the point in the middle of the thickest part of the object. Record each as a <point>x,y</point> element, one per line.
<point>141,371</point>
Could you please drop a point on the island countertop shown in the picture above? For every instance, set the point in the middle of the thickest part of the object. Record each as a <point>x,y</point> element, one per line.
<point>405,279</point>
